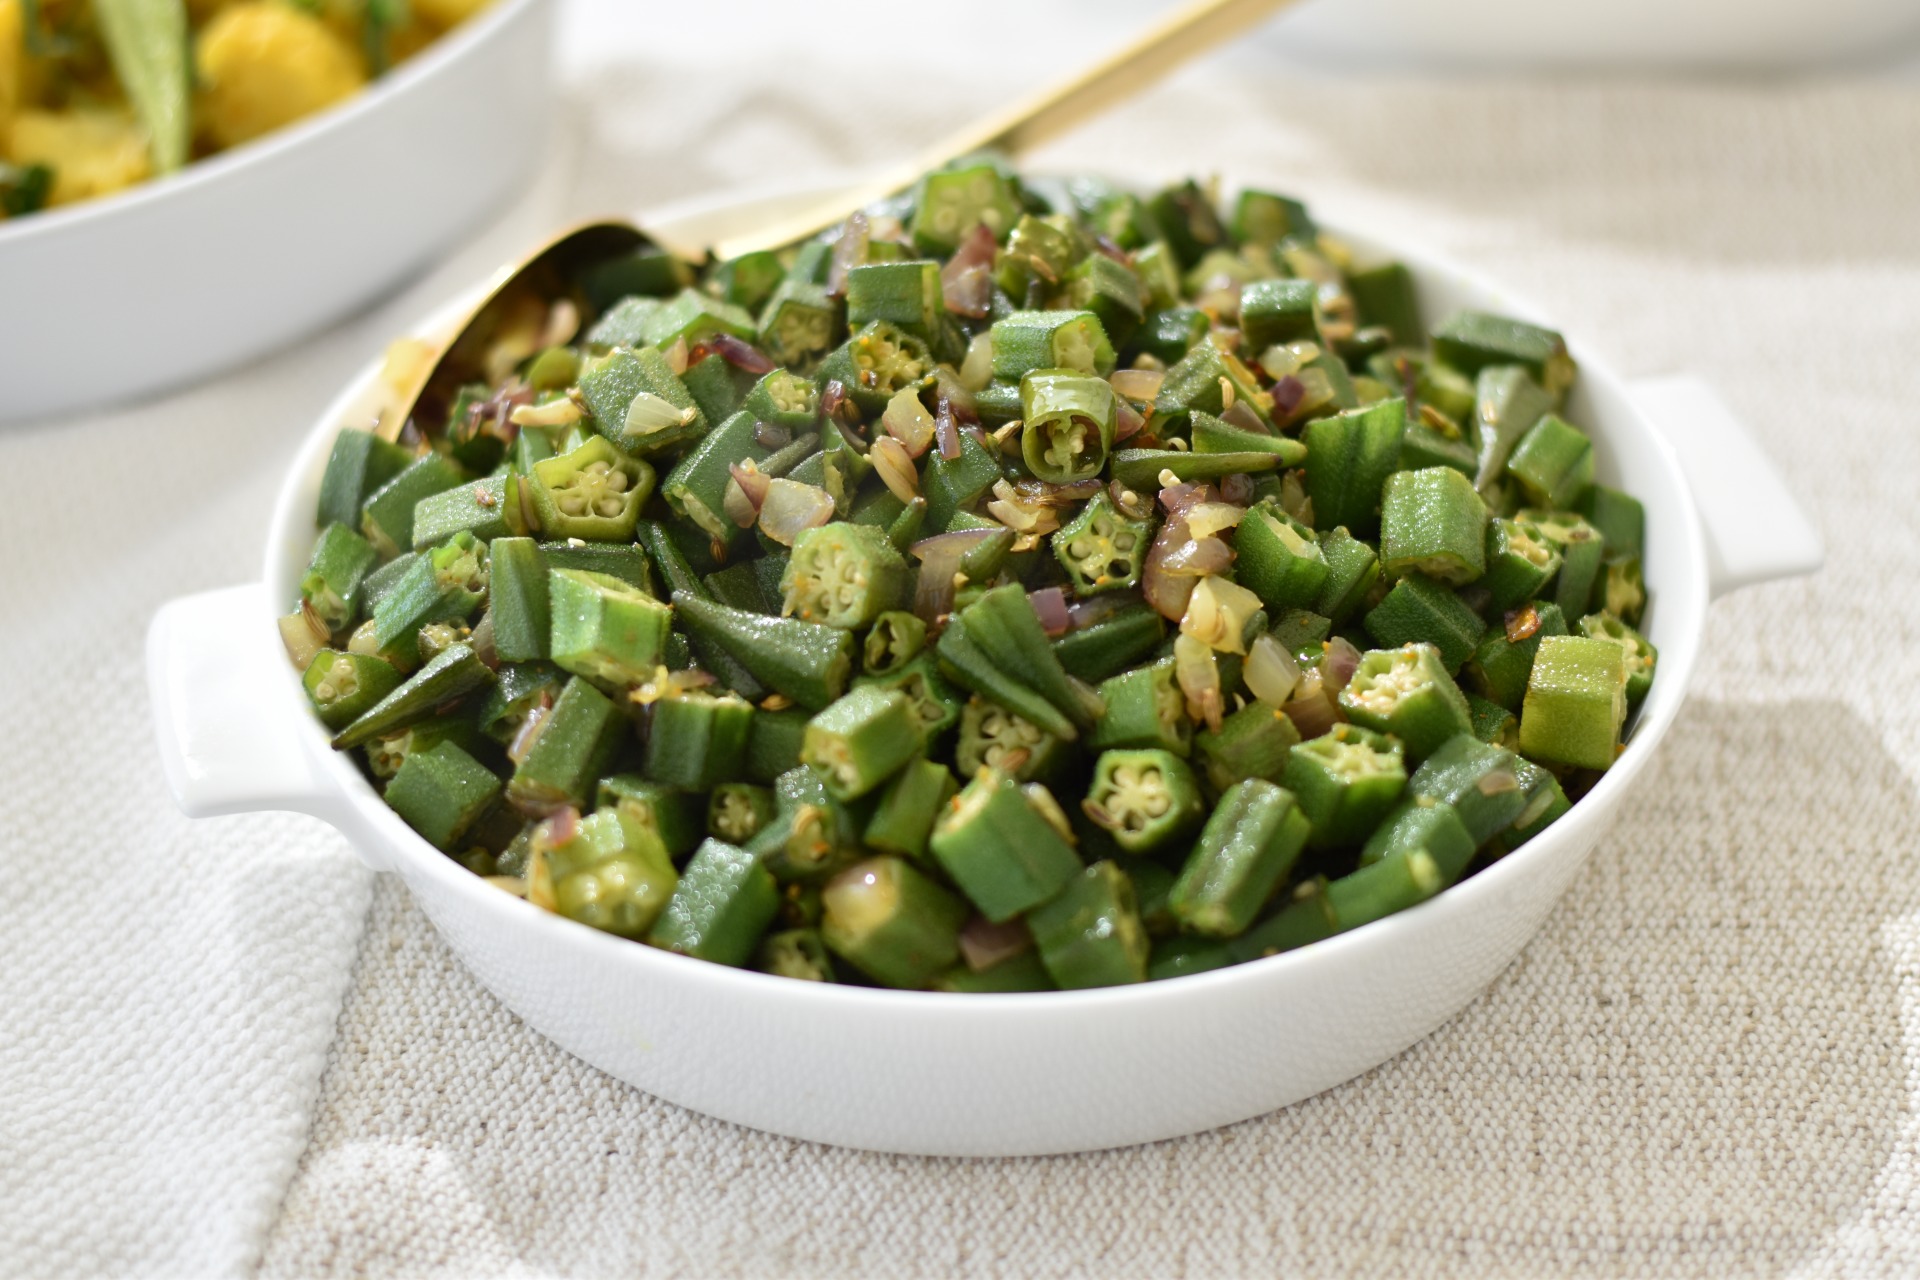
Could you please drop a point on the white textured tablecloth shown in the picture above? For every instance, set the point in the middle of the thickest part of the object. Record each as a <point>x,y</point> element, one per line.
<point>224,1047</point>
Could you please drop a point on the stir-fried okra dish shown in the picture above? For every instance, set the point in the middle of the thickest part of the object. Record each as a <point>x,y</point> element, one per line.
<point>1008,590</point>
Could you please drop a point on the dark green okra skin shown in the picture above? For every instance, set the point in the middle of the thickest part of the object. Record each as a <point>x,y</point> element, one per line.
<point>1432,522</point>
<point>445,584</point>
<point>1145,708</point>
<point>1024,972</point>
<point>604,629</point>
<point>1184,954</point>
<point>455,672</point>
<point>1275,312</point>
<point>696,488</point>
<point>1090,935</point>
<point>737,811</point>
<point>1345,781</point>
<point>1209,434</point>
<point>1279,560</point>
<point>1507,402</point>
<point>488,508</point>
<point>1140,469</point>
<point>1620,519</point>
<point>517,599</point>
<point>339,565</point>
<point>1553,463</point>
<point>1148,800</point>
<point>1492,722</point>
<point>795,953</point>
<point>1480,781</point>
<point>1470,341</point>
<point>1379,889</point>
<point>1501,665</point>
<point>809,662</point>
<point>571,749</point>
<point>1349,457</point>
<point>1352,570</point>
<point>1422,822</point>
<point>773,743</point>
<point>386,517</point>
<point>1001,850</point>
<point>1546,803</point>
<point>861,740</point>
<point>965,661</point>
<point>1256,741</point>
<point>441,792</point>
<point>358,464</point>
<point>724,902</point>
<point>342,687</point>
<point>1520,561</point>
<point>894,640</point>
<point>1002,622</point>
<point>1641,656</point>
<point>992,737</point>
<point>697,741</point>
<point>1576,702</point>
<point>1242,857</point>
<point>888,920</point>
<point>626,561</point>
<point>935,704</point>
<point>911,803</point>
<point>677,817</point>
<point>1407,692</point>
<point>683,584</point>
<point>1419,609</point>
<point>1112,645</point>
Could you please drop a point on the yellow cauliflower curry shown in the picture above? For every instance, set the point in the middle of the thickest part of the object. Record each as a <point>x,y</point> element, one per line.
<point>97,95</point>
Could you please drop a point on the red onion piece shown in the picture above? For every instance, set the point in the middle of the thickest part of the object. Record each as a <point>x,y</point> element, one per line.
<point>836,403</point>
<point>1197,557</point>
<point>1241,415</point>
<point>1166,592</point>
<point>1112,250</point>
<point>984,944</point>
<point>1237,489</point>
<point>947,386</point>
<point>790,507</point>
<point>1311,712</point>
<point>1051,606</point>
<point>946,432</point>
<point>955,544</point>
<point>1178,498</point>
<point>849,251</point>
<point>1287,395</point>
<point>740,354</point>
<point>769,436</point>
<point>1339,665</point>
<point>752,481</point>
<point>1084,613</point>
<point>1128,421</point>
<point>966,281</point>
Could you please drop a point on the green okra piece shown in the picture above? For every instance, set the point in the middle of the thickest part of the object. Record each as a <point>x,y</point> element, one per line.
<point>677,817</point>
<point>386,753</point>
<point>877,508</point>
<point>909,805</point>
<point>1152,888</point>
<point>1141,469</point>
<point>594,492</point>
<point>773,742</point>
<point>639,404</point>
<point>1432,522</point>
<point>718,386</point>
<point>342,687</point>
<point>1297,629</point>
<point>954,484</point>
<point>997,404</point>
<point>488,508</point>
<point>517,599</point>
<point>1501,663</point>
<point>1090,935</point>
<point>1546,803</point>
<point>1198,382</point>
<point>888,920</point>
<point>611,873</point>
<point>895,639</point>
<point>964,661</point>
<point>724,902</point>
<point>1001,848</point>
<point>1002,623</point>
<point>1256,741</point>
<point>1480,781</point>
<point>680,577</point>
<point>1520,561</point>
<point>339,565</point>
<point>358,465</point>
<point>1188,221</point>
<point>445,584</point>
<point>1423,447</point>
<point>1623,593</point>
<point>1100,549</point>
<point>1422,823</point>
<point>647,270</point>
<point>626,561</point>
<point>1209,434</point>
<point>1353,568</point>
<point>1263,218</point>
<point>1407,692</point>
<point>876,363</point>
<point>795,953</point>
<point>1276,312</point>
<point>747,280</point>
<point>1111,292</point>
<point>1381,888</point>
<point>1582,557</point>
<point>1069,340</point>
<point>783,398</point>
<point>1279,560</point>
<point>807,661</point>
<point>1345,781</point>
<point>1350,455</point>
<point>571,749</point>
<point>1641,656</point>
<point>1470,341</point>
<point>936,706</point>
<point>738,587</point>
<point>1386,297</point>
<point>529,446</point>
<point>1145,709</point>
<point>905,294</point>
<point>1304,917</point>
<point>1619,518</point>
<point>861,740</point>
<point>844,467</point>
<point>1069,420</point>
<point>379,583</point>
<point>1112,645</point>
<point>696,488</point>
<point>1576,702</point>
<point>992,737</point>
<point>386,517</point>
<point>623,324</point>
<point>905,528</point>
<point>604,629</point>
<point>519,688</point>
<point>690,316</point>
<point>1148,800</point>
<point>1243,856</point>
<point>951,202</point>
<point>1553,462</point>
<point>1507,402</point>
<point>1039,253</point>
<point>736,811</point>
<point>1419,609</point>
<point>1024,972</point>
<point>441,792</point>
<point>1492,722</point>
<point>698,741</point>
<point>1184,954</point>
<point>843,575</point>
<point>798,322</point>
<point>1169,333</point>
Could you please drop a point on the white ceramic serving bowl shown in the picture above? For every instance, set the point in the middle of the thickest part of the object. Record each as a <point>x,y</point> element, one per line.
<point>247,250</point>
<point>985,1075</point>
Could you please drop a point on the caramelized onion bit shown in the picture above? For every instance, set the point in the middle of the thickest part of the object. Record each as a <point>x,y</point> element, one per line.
<point>908,421</point>
<point>894,466</point>
<point>984,944</point>
<point>1521,624</point>
<point>1138,384</point>
<point>1271,672</point>
<point>739,353</point>
<point>1339,665</point>
<point>1051,605</point>
<point>791,507</point>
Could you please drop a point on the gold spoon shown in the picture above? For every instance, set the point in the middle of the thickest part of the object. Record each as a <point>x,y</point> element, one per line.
<point>1184,34</point>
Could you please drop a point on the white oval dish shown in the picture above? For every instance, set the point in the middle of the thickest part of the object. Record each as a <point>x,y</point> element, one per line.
<point>984,1075</point>
<point>247,250</point>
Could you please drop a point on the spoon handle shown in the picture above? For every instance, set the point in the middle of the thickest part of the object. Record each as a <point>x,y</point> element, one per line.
<point>1185,34</point>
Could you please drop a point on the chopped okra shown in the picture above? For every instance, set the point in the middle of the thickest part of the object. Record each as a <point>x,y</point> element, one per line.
<point>989,595</point>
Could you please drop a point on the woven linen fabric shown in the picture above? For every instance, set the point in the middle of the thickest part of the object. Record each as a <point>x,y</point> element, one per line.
<point>1704,1065</point>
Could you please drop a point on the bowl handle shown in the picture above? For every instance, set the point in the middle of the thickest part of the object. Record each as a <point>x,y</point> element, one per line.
<point>224,743</point>
<point>1756,530</point>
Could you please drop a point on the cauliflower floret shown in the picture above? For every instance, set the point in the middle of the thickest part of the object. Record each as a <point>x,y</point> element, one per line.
<point>92,151</point>
<point>266,65</point>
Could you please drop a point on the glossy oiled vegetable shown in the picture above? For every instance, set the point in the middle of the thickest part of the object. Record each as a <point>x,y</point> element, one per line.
<point>998,593</point>
<point>99,95</point>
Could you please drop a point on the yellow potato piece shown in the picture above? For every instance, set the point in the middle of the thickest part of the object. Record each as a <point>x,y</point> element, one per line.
<point>92,151</point>
<point>448,13</point>
<point>265,65</point>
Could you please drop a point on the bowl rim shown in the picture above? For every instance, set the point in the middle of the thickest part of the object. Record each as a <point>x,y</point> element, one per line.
<point>193,176</point>
<point>372,819</point>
